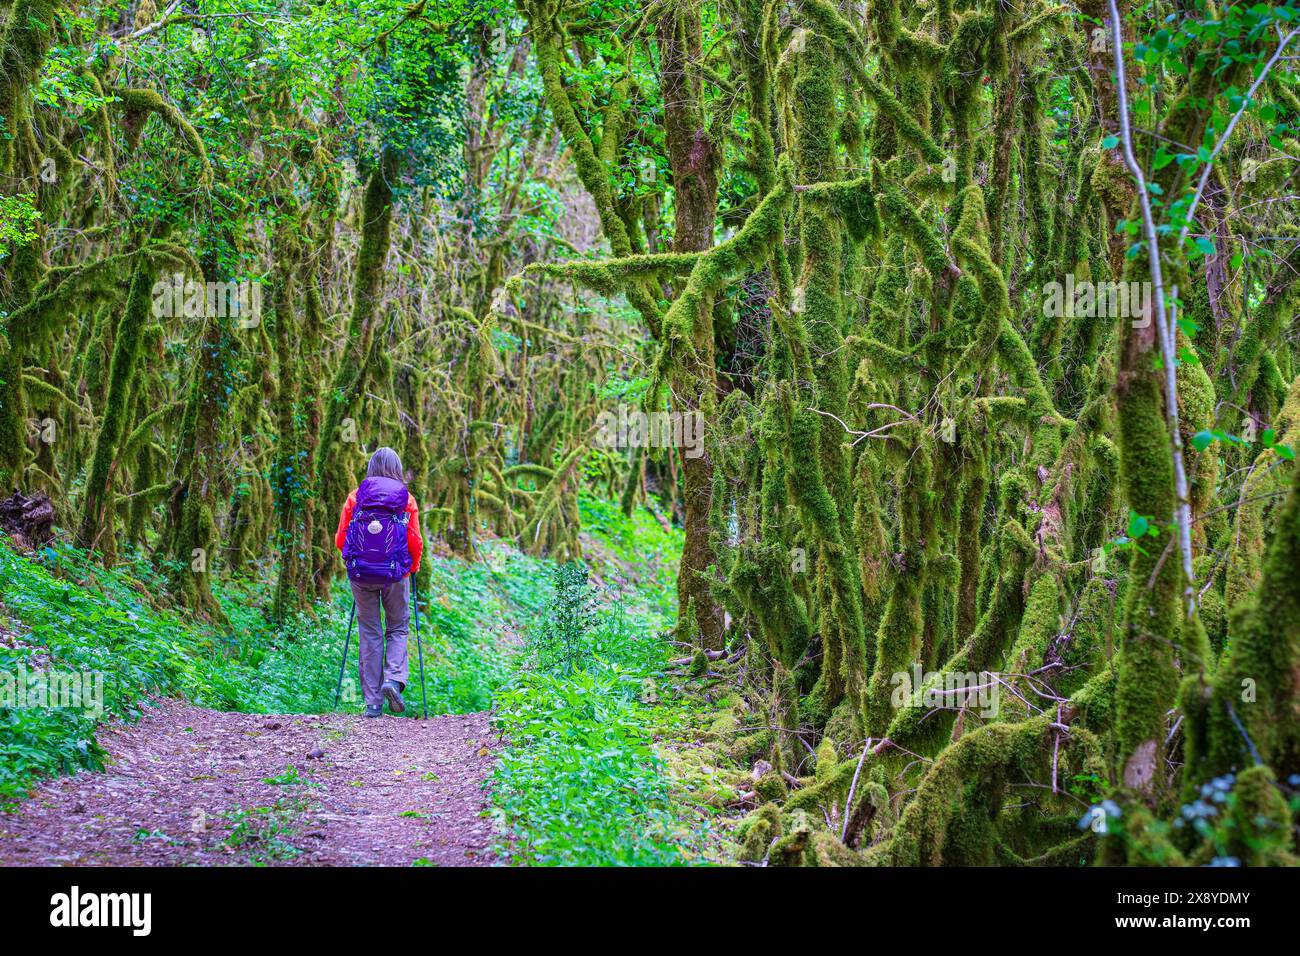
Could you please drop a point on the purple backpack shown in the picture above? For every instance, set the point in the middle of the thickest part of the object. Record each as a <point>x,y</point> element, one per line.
<point>375,551</point>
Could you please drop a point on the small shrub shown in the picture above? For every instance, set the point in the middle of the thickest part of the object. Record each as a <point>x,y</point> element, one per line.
<point>563,642</point>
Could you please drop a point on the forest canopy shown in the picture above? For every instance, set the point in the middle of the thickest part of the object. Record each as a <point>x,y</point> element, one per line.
<point>958,337</point>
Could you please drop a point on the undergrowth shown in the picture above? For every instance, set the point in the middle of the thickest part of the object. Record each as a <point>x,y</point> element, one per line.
<point>583,780</point>
<point>64,614</point>
<point>572,658</point>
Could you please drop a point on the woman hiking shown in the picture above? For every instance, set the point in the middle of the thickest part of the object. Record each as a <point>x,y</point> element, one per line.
<point>379,535</point>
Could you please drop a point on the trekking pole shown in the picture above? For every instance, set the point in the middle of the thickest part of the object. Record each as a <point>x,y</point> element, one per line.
<point>344,663</point>
<point>419,648</point>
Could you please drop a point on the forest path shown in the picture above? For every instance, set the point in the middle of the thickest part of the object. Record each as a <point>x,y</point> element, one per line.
<point>185,785</point>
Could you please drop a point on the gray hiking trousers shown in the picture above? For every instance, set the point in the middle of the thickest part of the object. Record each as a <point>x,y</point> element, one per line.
<point>377,663</point>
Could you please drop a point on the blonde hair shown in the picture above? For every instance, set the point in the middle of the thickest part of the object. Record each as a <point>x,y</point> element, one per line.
<point>384,463</point>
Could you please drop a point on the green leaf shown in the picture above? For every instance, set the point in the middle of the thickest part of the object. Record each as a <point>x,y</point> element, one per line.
<point>1137,525</point>
<point>1202,439</point>
<point>1205,245</point>
<point>1110,142</point>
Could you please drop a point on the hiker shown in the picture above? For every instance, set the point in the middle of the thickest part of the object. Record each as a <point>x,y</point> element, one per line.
<point>379,535</point>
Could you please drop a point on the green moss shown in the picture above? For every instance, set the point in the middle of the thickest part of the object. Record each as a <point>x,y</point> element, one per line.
<point>827,760</point>
<point>1039,625</point>
<point>771,787</point>
<point>1262,832</point>
<point>757,832</point>
<point>333,478</point>
<point>97,517</point>
<point>952,819</point>
<point>140,103</point>
<point>1147,678</point>
<point>1251,714</point>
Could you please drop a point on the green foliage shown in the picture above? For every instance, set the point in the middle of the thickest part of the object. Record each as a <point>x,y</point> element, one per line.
<point>564,640</point>
<point>265,833</point>
<point>70,614</point>
<point>89,626</point>
<point>581,781</point>
<point>18,218</point>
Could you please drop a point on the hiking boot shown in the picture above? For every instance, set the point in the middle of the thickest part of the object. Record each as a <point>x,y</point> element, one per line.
<point>393,694</point>
<point>374,710</point>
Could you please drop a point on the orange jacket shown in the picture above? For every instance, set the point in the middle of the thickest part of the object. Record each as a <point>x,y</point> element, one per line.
<point>414,543</point>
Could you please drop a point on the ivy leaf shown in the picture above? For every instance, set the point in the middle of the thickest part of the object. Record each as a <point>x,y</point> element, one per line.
<point>1137,525</point>
<point>1205,245</point>
<point>1202,439</point>
<point>1110,142</point>
<point>1268,437</point>
<point>1284,451</point>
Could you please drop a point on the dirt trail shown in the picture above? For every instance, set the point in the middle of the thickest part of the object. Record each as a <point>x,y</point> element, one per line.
<point>189,786</point>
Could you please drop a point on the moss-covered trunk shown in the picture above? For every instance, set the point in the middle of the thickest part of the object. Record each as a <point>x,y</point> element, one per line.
<point>693,158</point>
<point>334,475</point>
<point>99,507</point>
